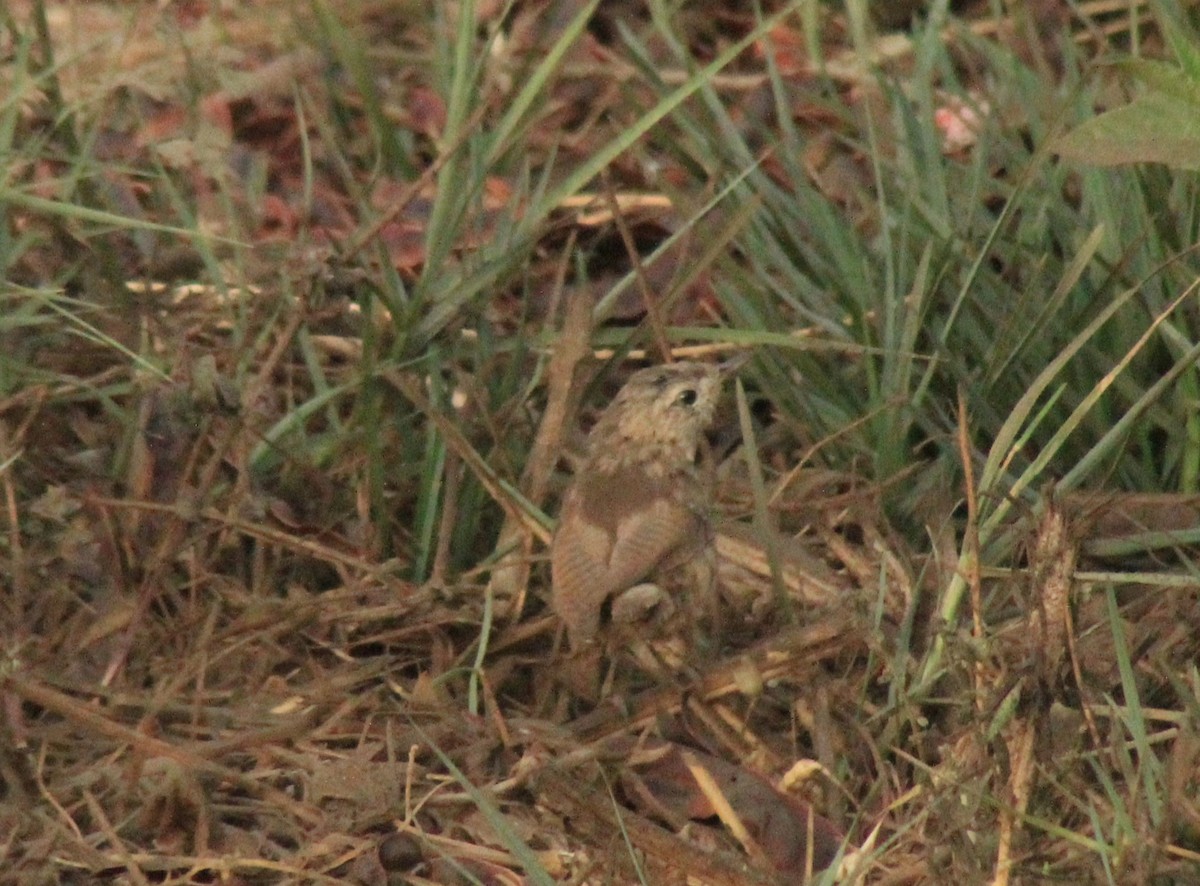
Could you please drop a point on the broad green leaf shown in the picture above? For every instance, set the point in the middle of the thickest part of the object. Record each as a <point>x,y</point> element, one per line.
<point>1163,79</point>
<point>1152,129</point>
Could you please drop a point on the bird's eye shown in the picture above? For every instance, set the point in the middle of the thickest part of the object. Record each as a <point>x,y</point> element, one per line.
<point>688,397</point>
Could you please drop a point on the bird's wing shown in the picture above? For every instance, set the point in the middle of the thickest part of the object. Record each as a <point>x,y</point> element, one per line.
<point>579,571</point>
<point>612,533</point>
<point>647,536</point>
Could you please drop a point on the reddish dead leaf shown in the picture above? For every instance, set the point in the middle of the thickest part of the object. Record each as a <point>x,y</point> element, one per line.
<point>497,192</point>
<point>189,13</point>
<point>47,179</point>
<point>284,513</point>
<point>216,110</point>
<point>277,220</point>
<point>165,122</point>
<point>387,192</point>
<point>405,244</point>
<point>778,822</point>
<point>489,10</point>
<point>816,115</point>
<point>787,46</point>
<point>426,111</point>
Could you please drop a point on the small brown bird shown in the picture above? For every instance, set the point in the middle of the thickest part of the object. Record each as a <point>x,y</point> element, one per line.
<point>638,506</point>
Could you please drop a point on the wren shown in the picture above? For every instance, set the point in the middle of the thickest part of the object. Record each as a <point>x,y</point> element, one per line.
<point>638,506</point>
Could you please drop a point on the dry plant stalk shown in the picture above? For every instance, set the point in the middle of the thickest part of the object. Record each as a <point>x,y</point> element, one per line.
<point>1051,570</point>
<point>514,543</point>
<point>782,654</point>
<point>1051,567</point>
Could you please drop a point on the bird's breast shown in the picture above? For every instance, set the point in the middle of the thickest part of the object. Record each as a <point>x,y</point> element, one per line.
<point>607,499</point>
